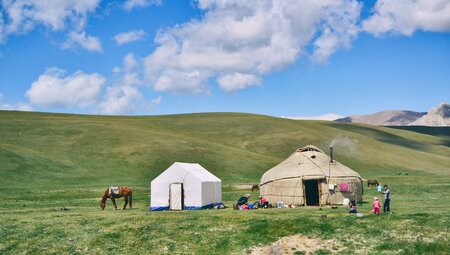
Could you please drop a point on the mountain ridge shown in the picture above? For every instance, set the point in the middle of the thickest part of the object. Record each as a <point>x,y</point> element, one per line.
<point>437,116</point>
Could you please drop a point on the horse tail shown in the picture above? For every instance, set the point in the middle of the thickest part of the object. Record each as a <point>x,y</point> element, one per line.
<point>131,199</point>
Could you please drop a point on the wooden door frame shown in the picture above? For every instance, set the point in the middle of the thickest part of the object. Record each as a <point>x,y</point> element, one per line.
<point>319,191</point>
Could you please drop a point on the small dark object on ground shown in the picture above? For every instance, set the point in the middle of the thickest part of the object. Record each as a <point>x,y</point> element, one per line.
<point>62,209</point>
<point>334,207</point>
<point>320,209</point>
<point>255,187</point>
<point>323,216</point>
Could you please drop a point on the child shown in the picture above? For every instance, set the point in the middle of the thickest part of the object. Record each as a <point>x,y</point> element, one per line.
<point>353,208</point>
<point>376,206</point>
<point>263,203</point>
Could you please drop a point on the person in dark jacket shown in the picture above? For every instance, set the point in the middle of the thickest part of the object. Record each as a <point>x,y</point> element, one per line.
<point>243,202</point>
<point>387,199</point>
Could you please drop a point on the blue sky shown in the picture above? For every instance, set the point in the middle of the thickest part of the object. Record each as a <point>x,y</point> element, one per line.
<point>280,58</point>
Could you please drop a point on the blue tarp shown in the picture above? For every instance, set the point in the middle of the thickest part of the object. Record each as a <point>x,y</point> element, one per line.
<point>187,207</point>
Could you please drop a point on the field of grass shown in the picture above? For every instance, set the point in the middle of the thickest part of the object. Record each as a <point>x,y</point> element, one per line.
<point>50,161</point>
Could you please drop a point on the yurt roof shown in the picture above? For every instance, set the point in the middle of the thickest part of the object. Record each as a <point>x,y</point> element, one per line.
<point>308,162</point>
<point>179,170</point>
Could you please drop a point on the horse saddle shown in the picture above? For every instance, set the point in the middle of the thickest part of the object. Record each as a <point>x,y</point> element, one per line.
<point>113,191</point>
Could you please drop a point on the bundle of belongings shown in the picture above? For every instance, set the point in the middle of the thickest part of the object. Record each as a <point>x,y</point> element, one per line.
<point>242,203</point>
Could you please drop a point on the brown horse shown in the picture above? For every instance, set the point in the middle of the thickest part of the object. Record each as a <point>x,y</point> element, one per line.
<point>372,182</point>
<point>124,192</point>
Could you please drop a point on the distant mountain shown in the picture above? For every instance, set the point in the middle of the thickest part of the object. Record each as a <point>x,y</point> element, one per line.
<point>385,118</point>
<point>437,116</point>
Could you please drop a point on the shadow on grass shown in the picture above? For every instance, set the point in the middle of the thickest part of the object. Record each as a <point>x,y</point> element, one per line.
<point>381,136</point>
<point>442,132</point>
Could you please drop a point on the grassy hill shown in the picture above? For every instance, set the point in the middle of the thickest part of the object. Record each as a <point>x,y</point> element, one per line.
<point>54,160</point>
<point>67,149</point>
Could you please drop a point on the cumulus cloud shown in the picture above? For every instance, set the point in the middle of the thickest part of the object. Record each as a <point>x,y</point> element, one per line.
<point>178,81</point>
<point>87,42</point>
<point>131,4</point>
<point>406,16</point>
<point>21,16</point>
<point>237,81</point>
<point>130,36</point>
<point>56,89</point>
<point>156,101</point>
<point>14,107</point>
<point>240,41</point>
<point>328,116</point>
<point>123,95</point>
<point>120,100</point>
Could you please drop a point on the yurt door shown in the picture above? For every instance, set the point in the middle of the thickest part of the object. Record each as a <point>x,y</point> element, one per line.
<point>176,196</point>
<point>311,192</point>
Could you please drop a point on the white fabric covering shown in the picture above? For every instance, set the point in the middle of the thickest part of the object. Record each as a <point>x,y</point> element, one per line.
<point>200,187</point>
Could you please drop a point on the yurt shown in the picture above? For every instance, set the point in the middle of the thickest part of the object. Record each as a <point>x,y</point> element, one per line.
<point>309,177</point>
<point>185,186</point>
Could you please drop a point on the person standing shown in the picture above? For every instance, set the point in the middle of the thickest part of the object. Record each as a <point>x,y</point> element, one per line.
<point>387,199</point>
<point>380,188</point>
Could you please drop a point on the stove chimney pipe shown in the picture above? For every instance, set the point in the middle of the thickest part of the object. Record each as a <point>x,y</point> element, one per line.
<point>331,154</point>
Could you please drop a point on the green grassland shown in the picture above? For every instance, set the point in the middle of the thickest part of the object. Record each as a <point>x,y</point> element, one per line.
<point>50,161</point>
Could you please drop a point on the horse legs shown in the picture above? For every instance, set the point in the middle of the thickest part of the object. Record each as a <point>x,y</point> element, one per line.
<point>126,202</point>
<point>114,202</point>
<point>131,201</point>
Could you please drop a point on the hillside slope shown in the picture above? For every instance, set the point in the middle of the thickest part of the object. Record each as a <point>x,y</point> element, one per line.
<point>59,149</point>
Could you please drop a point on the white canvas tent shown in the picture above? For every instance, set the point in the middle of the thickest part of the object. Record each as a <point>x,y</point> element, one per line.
<point>185,186</point>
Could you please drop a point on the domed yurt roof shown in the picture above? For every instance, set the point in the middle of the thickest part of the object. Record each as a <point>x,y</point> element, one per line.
<point>308,163</point>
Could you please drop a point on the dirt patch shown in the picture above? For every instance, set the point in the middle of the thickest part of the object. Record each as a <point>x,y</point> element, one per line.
<point>298,244</point>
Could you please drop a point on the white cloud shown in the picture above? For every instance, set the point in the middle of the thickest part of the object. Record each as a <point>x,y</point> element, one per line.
<point>87,42</point>
<point>406,16</point>
<point>248,37</point>
<point>120,100</point>
<point>131,4</point>
<point>56,89</point>
<point>14,107</point>
<point>328,116</point>
<point>21,16</point>
<point>123,96</point>
<point>128,75</point>
<point>130,36</point>
<point>178,81</point>
<point>156,101</point>
<point>237,81</point>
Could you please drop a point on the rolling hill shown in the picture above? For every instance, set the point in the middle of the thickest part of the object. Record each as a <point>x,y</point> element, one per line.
<point>54,167</point>
<point>61,149</point>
